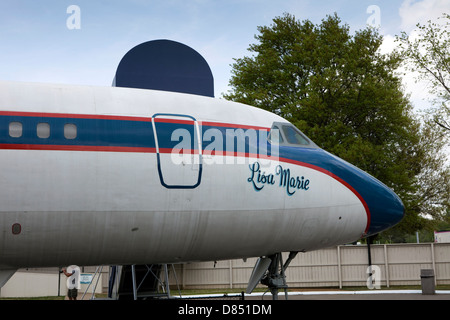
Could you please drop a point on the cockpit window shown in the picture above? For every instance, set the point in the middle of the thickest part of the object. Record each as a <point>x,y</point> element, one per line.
<point>275,135</point>
<point>293,136</point>
<point>288,135</point>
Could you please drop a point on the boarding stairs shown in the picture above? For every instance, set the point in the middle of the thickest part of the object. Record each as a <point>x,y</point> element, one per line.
<point>139,282</point>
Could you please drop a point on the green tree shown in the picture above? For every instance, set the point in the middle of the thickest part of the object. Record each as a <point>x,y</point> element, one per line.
<point>344,94</point>
<point>428,54</point>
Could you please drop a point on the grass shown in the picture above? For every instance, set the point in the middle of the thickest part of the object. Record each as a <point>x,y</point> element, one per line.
<point>36,298</point>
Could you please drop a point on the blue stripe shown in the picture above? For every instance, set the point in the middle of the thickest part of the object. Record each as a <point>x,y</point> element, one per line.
<point>90,132</point>
<point>385,207</point>
<point>105,132</point>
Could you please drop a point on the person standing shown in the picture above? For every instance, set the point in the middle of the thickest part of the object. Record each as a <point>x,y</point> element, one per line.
<point>73,281</point>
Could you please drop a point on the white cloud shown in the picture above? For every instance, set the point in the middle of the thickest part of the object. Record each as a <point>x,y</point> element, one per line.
<point>417,90</point>
<point>412,12</point>
<point>388,44</point>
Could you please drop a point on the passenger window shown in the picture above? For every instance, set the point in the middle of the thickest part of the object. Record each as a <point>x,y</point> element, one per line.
<point>43,130</point>
<point>70,131</point>
<point>15,129</point>
<point>293,136</point>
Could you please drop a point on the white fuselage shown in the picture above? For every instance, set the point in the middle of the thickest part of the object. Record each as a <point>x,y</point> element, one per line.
<point>102,202</point>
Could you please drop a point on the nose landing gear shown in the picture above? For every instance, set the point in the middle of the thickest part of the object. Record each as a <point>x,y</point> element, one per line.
<point>270,271</point>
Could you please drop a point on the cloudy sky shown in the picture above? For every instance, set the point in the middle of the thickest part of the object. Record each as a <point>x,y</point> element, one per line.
<point>46,41</point>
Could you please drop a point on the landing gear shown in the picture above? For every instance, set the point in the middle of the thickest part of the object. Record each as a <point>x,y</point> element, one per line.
<point>270,271</point>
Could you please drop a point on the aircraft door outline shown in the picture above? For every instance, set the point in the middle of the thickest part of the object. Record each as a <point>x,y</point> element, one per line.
<point>183,175</point>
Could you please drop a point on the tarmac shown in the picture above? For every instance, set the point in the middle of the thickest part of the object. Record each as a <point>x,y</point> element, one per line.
<point>314,295</point>
<point>357,295</point>
<point>406,304</point>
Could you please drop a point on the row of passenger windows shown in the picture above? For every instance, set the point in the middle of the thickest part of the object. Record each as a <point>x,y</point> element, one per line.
<point>42,130</point>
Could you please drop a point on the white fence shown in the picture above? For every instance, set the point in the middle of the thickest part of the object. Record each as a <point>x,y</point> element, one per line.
<point>338,267</point>
<point>45,282</point>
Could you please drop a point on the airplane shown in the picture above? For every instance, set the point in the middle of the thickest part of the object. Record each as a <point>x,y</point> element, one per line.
<point>96,175</point>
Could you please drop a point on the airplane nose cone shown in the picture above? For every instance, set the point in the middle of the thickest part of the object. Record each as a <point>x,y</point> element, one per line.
<point>383,207</point>
<point>386,208</point>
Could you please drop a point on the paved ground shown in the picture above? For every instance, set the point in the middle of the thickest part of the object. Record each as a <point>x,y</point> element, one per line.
<point>358,295</point>
<point>330,295</point>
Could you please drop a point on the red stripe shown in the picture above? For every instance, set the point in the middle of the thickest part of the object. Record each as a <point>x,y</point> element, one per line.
<point>75,148</point>
<point>177,151</point>
<point>73,116</point>
<point>168,120</point>
<point>126,118</point>
<point>239,126</point>
<point>307,165</point>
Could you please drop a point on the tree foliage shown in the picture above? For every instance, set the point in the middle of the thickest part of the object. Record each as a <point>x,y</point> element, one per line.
<point>344,94</point>
<point>428,54</point>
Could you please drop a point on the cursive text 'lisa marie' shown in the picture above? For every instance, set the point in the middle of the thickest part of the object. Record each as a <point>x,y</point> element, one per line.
<point>260,179</point>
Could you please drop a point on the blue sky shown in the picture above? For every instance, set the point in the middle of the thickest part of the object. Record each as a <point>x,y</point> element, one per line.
<point>37,45</point>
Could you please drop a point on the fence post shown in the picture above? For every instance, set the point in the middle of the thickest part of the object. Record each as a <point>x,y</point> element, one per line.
<point>386,265</point>
<point>230,268</point>
<point>339,266</point>
<point>183,274</point>
<point>433,263</point>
